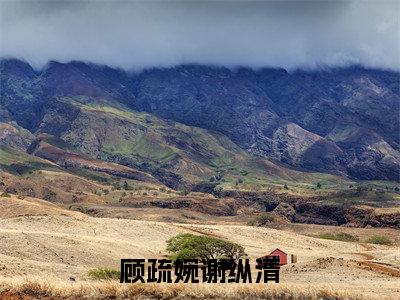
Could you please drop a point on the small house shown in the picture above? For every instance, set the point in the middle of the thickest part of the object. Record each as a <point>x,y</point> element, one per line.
<point>282,256</point>
<point>283,260</point>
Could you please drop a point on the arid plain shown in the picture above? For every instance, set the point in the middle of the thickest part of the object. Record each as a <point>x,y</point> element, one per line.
<point>46,244</point>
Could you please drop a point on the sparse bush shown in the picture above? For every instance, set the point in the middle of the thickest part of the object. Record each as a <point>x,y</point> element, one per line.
<point>190,246</point>
<point>240,180</point>
<point>263,219</point>
<point>217,192</point>
<point>184,192</point>
<point>49,195</point>
<point>359,190</point>
<point>219,176</point>
<point>147,120</point>
<point>339,236</point>
<point>144,194</point>
<point>5,194</point>
<point>79,208</point>
<point>380,240</point>
<point>104,274</point>
<point>286,187</point>
<point>125,186</point>
<point>319,185</point>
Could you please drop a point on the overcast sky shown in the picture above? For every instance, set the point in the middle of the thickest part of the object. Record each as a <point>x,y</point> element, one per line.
<point>132,34</point>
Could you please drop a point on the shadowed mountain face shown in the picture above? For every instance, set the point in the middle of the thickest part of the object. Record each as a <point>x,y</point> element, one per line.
<point>342,121</point>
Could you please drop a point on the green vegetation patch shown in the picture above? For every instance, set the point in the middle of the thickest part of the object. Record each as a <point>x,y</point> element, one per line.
<point>104,274</point>
<point>147,146</point>
<point>380,240</point>
<point>19,163</point>
<point>339,236</point>
<point>10,156</point>
<point>92,175</point>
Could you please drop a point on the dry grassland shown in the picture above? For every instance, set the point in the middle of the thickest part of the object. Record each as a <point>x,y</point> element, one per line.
<point>53,244</point>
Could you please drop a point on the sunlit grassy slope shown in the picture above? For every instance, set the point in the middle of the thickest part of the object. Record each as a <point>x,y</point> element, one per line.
<point>195,155</point>
<point>177,154</point>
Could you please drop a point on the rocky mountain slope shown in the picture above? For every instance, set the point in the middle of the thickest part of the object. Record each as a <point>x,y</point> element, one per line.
<point>341,121</point>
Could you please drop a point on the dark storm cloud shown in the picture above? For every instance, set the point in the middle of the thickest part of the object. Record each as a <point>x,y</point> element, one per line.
<point>134,34</point>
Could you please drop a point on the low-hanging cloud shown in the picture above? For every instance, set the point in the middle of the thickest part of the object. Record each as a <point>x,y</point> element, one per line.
<point>133,34</point>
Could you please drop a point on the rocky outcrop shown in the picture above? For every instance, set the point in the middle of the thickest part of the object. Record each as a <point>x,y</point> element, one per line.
<point>194,202</point>
<point>285,210</point>
<point>318,210</point>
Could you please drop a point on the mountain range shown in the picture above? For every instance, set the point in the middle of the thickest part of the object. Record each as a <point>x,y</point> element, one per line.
<point>184,124</point>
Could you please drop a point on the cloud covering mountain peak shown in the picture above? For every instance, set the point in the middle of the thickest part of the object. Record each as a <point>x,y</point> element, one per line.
<point>134,34</point>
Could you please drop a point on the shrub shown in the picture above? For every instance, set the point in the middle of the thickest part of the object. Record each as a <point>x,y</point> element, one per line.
<point>262,219</point>
<point>104,274</point>
<point>380,240</point>
<point>217,192</point>
<point>125,186</point>
<point>219,176</point>
<point>285,187</point>
<point>190,246</point>
<point>184,192</point>
<point>339,236</point>
<point>5,194</point>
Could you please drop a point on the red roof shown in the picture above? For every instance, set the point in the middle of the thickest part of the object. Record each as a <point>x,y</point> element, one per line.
<point>277,249</point>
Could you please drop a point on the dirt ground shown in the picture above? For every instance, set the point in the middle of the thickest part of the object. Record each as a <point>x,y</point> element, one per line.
<point>38,238</point>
